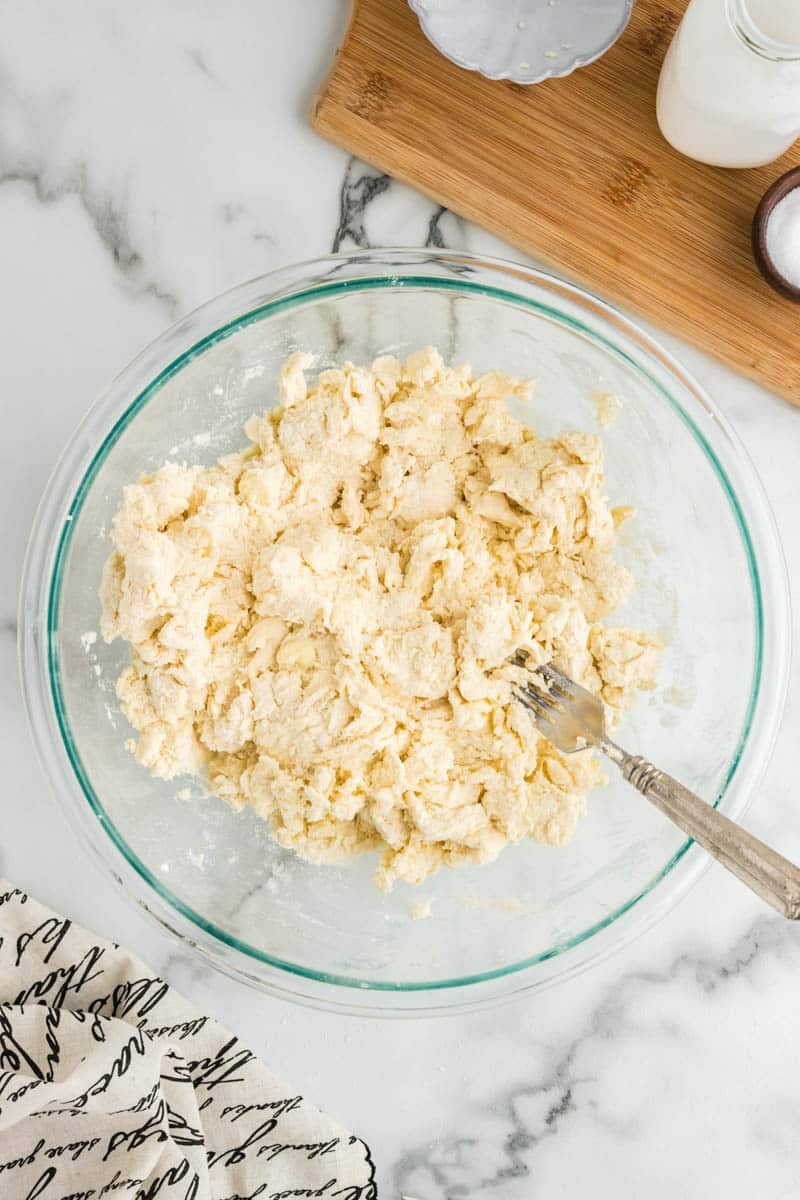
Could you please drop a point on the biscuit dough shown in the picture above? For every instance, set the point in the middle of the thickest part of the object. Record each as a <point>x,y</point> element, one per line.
<point>320,624</point>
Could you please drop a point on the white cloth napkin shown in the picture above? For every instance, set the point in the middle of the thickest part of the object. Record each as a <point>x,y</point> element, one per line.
<point>112,1087</point>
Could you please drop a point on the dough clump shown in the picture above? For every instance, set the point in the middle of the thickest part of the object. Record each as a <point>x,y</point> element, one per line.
<point>320,625</point>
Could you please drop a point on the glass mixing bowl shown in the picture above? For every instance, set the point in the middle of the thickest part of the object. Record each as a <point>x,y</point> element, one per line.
<point>710,578</point>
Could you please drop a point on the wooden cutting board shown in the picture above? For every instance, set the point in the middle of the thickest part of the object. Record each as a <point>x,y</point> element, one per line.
<point>575,172</point>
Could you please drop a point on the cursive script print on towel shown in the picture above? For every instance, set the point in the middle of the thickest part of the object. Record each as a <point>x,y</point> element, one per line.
<point>113,1088</point>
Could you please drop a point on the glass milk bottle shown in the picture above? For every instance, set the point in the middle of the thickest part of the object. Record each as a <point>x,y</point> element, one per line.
<point>729,92</point>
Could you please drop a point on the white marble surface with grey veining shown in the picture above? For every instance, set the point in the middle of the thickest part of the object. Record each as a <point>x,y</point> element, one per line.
<point>152,155</point>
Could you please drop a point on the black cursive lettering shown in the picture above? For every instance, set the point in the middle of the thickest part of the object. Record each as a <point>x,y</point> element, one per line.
<point>354,1191</point>
<point>118,1181</point>
<point>73,1149</point>
<point>237,1154</point>
<point>51,932</point>
<point>98,1026</point>
<point>12,1054</point>
<point>174,1174</point>
<point>312,1149</point>
<point>44,1180</point>
<point>278,1107</point>
<point>136,996</point>
<point>26,1160</point>
<point>181,1031</point>
<point>56,986</point>
<point>211,1072</point>
<point>119,1067</point>
<point>52,1021</point>
<point>308,1192</point>
<point>146,1101</point>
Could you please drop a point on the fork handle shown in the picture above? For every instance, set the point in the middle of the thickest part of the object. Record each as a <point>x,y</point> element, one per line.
<point>767,873</point>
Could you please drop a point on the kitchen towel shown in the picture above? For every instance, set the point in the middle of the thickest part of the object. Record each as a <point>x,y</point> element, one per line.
<point>112,1087</point>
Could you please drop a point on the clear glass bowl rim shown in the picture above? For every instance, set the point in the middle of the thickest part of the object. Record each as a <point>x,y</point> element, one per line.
<point>272,293</point>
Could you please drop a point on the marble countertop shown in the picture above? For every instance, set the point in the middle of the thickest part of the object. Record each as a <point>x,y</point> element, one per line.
<point>152,155</point>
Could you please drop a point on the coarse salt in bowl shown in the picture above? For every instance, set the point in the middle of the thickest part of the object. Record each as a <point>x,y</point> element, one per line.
<point>776,235</point>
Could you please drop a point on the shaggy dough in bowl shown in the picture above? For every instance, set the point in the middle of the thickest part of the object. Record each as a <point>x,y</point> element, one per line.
<point>320,624</point>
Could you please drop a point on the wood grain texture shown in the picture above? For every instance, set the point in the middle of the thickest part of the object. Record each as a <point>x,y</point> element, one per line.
<point>574,172</point>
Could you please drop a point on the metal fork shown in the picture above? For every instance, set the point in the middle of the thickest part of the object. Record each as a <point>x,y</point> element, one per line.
<point>573,719</point>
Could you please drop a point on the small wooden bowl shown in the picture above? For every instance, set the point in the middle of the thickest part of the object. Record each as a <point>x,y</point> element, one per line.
<point>776,192</point>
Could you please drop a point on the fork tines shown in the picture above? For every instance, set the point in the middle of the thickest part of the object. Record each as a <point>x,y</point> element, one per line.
<point>537,701</point>
<point>556,681</point>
